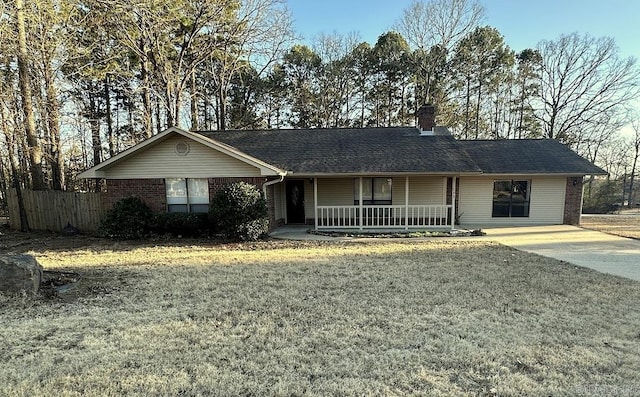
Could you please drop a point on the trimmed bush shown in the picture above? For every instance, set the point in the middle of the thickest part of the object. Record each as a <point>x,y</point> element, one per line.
<point>239,212</point>
<point>130,218</point>
<point>181,224</point>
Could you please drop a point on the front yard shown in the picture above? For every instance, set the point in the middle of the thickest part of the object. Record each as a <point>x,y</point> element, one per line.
<point>444,317</point>
<point>625,224</point>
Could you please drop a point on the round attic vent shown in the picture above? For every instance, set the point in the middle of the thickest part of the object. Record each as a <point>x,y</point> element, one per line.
<point>182,148</point>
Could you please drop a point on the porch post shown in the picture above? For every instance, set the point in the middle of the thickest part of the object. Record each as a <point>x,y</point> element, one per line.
<point>453,202</point>
<point>406,202</point>
<point>360,223</point>
<point>315,202</point>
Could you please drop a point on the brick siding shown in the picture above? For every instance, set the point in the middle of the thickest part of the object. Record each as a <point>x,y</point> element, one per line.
<point>573,201</point>
<point>151,191</point>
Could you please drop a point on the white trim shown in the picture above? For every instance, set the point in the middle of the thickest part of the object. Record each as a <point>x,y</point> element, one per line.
<point>266,169</point>
<point>453,202</point>
<point>315,202</point>
<point>406,203</point>
<point>360,207</point>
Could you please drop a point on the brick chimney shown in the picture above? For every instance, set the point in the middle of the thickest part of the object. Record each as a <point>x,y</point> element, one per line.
<point>426,117</point>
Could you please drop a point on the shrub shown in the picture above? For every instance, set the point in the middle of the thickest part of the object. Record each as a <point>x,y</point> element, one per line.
<point>181,224</point>
<point>130,218</point>
<point>240,212</point>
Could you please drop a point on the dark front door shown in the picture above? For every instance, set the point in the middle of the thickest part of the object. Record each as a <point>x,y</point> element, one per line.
<point>295,202</point>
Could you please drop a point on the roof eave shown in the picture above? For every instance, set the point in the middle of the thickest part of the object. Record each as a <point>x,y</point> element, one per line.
<point>98,171</point>
<point>378,173</point>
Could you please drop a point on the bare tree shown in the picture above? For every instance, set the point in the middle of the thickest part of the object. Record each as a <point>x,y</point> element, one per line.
<point>635,143</point>
<point>35,151</point>
<point>433,28</point>
<point>257,37</point>
<point>584,83</point>
<point>439,22</point>
<point>335,79</point>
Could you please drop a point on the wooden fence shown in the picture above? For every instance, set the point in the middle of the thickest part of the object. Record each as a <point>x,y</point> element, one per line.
<point>52,210</point>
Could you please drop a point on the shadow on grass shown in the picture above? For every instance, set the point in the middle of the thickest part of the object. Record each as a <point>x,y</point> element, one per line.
<point>324,318</point>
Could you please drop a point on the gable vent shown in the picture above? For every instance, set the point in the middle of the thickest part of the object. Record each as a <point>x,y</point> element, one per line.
<point>182,148</point>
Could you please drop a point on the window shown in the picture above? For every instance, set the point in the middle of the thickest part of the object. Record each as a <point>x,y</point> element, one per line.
<point>374,191</point>
<point>511,198</point>
<point>187,195</point>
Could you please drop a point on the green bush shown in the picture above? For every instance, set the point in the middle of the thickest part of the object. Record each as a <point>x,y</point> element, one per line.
<point>130,218</point>
<point>239,212</point>
<point>181,224</point>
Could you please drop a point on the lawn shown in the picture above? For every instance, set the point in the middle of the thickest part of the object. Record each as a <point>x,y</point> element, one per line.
<point>625,224</point>
<point>444,318</point>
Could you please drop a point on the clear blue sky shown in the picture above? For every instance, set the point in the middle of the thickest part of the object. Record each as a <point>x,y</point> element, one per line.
<point>523,23</point>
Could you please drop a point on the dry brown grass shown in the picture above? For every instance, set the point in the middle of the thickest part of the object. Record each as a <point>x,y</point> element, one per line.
<point>626,224</point>
<point>445,317</point>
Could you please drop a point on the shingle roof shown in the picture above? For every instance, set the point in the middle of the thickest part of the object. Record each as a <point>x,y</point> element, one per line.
<point>527,156</point>
<point>400,149</point>
<point>360,150</point>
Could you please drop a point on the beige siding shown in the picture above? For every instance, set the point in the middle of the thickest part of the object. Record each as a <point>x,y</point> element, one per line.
<point>278,199</point>
<point>335,191</point>
<point>546,205</point>
<point>426,190</point>
<point>161,161</point>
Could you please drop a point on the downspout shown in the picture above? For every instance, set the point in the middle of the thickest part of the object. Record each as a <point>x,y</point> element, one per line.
<point>273,182</point>
<point>264,191</point>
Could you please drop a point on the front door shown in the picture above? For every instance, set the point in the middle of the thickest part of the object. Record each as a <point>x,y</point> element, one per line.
<point>295,202</point>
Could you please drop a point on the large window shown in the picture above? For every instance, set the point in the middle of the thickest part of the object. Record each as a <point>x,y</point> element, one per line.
<point>375,191</point>
<point>187,195</point>
<point>511,198</point>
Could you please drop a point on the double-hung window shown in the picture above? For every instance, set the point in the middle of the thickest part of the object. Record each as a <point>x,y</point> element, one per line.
<point>511,198</point>
<point>187,194</point>
<point>375,191</point>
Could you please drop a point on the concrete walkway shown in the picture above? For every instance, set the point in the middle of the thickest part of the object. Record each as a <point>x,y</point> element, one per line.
<point>599,251</point>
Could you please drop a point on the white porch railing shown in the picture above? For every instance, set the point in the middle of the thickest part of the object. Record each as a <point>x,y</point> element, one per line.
<point>383,216</point>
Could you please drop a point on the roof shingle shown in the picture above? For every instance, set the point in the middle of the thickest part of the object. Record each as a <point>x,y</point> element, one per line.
<point>400,149</point>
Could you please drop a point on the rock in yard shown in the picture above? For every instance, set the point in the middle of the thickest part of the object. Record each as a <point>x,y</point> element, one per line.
<point>19,273</point>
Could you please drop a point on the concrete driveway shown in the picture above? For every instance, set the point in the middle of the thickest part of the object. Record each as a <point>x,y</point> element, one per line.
<point>599,251</point>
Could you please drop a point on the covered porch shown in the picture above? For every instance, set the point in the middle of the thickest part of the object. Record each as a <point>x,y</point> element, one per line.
<point>371,202</point>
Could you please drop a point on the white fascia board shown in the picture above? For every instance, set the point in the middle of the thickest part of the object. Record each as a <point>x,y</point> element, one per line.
<point>97,171</point>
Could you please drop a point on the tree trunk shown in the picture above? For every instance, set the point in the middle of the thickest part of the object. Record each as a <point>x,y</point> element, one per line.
<point>478,108</point>
<point>53,122</point>
<point>467,106</point>
<point>107,110</point>
<point>15,176</point>
<point>35,152</point>
<point>222,109</point>
<point>96,142</point>
<point>147,116</point>
<point>194,103</point>
<point>633,175</point>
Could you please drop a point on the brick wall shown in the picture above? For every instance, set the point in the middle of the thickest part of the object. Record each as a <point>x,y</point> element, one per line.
<point>573,201</point>
<point>151,191</point>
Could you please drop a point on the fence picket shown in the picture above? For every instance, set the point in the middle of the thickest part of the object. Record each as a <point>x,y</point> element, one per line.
<point>52,210</point>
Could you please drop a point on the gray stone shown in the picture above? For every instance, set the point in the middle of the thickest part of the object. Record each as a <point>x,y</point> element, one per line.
<point>19,273</point>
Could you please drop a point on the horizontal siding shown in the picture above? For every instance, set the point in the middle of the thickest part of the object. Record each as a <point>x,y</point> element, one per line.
<point>335,191</point>
<point>426,190</point>
<point>162,161</point>
<point>422,191</point>
<point>546,206</point>
<point>278,200</point>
